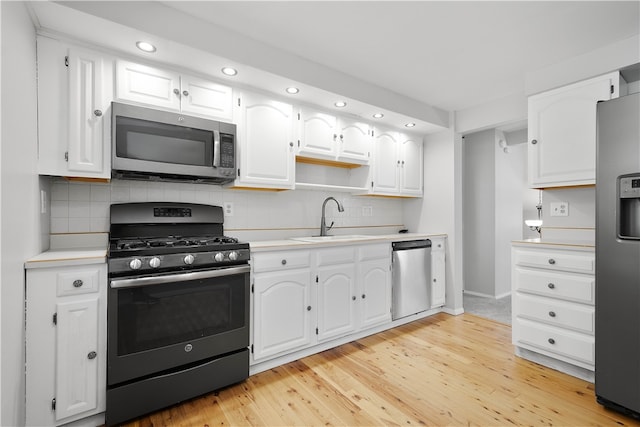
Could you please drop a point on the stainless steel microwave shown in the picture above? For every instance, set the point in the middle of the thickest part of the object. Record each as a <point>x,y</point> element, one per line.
<point>159,145</point>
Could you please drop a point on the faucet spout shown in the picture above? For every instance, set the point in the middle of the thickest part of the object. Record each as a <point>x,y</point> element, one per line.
<point>323,223</point>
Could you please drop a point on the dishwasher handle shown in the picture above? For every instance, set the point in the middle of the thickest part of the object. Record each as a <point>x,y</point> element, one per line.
<point>411,244</point>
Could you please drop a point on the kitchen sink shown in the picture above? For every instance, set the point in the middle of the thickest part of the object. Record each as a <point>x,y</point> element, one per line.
<point>332,238</point>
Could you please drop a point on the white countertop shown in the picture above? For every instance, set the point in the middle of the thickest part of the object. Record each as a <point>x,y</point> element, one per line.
<point>72,249</point>
<point>587,244</point>
<point>292,243</point>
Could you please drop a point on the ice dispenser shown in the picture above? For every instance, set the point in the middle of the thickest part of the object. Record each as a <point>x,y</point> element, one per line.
<point>629,206</point>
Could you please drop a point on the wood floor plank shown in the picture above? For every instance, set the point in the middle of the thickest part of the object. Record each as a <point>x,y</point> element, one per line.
<point>441,370</point>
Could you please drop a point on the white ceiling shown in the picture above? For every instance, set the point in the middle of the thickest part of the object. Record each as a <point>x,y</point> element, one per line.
<point>452,55</point>
<point>416,59</point>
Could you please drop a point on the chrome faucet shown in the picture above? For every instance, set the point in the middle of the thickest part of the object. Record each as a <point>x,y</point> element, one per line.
<point>323,224</point>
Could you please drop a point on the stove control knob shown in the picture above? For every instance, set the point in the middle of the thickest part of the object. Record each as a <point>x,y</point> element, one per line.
<point>219,257</point>
<point>154,262</point>
<point>233,255</point>
<point>189,259</point>
<point>135,264</point>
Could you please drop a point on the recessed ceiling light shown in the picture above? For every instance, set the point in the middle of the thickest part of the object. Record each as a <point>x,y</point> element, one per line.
<point>340,104</point>
<point>146,46</point>
<point>378,115</point>
<point>410,125</point>
<point>292,90</point>
<point>229,71</point>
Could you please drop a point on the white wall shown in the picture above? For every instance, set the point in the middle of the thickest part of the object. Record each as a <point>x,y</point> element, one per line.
<point>511,189</point>
<point>478,191</point>
<point>257,215</point>
<point>20,226</point>
<point>494,192</point>
<point>440,210</point>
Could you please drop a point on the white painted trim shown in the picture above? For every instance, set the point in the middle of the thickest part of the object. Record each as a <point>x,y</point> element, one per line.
<point>478,294</point>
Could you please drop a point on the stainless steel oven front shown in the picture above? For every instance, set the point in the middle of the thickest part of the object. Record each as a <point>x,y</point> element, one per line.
<point>174,336</point>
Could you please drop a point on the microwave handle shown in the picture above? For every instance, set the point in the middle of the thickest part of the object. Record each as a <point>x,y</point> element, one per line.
<point>216,149</point>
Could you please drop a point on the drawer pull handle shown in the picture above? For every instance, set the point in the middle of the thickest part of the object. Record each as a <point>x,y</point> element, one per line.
<point>77,283</point>
<point>92,355</point>
<point>551,286</point>
<point>552,313</point>
<point>552,261</point>
<point>551,341</point>
<point>308,308</point>
<point>284,262</point>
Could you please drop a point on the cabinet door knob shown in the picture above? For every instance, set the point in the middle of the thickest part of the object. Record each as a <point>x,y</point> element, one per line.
<point>534,141</point>
<point>291,144</point>
<point>551,341</point>
<point>551,286</point>
<point>308,308</point>
<point>335,136</point>
<point>77,283</point>
<point>176,91</point>
<point>552,261</point>
<point>185,92</point>
<point>92,355</point>
<point>97,113</point>
<point>353,298</point>
<point>284,262</point>
<point>552,314</point>
<point>363,296</point>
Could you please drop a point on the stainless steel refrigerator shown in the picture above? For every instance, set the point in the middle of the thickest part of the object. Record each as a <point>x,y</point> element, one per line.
<point>617,374</point>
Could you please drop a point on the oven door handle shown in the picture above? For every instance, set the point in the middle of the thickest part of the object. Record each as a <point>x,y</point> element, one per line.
<point>173,278</point>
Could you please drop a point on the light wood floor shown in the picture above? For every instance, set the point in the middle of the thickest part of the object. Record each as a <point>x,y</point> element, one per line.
<point>442,370</point>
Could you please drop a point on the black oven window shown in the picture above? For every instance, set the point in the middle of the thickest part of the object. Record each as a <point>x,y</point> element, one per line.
<point>157,316</point>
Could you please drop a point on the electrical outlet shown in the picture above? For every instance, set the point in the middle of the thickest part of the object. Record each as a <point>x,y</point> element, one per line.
<point>559,208</point>
<point>228,208</point>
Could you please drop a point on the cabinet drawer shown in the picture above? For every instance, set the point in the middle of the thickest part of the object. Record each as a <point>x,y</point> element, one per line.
<point>572,287</point>
<point>82,281</point>
<point>578,317</point>
<point>280,260</point>
<point>336,255</point>
<point>379,251</point>
<point>556,260</point>
<point>559,341</point>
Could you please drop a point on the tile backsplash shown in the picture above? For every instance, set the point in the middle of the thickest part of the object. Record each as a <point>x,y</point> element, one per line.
<point>79,207</point>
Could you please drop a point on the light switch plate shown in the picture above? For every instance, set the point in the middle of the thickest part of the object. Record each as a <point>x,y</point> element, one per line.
<point>559,208</point>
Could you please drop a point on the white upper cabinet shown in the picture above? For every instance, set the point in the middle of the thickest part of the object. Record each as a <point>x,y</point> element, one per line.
<point>318,135</point>
<point>562,132</point>
<point>325,136</point>
<point>74,95</point>
<point>172,91</point>
<point>411,166</point>
<point>265,136</point>
<point>355,141</point>
<point>385,172</point>
<point>398,165</point>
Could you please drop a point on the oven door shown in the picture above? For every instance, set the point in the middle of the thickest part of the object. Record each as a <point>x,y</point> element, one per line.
<point>160,323</point>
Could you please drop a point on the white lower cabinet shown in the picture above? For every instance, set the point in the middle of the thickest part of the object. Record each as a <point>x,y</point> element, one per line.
<point>336,290</point>
<point>553,303</point>
<point>438,273</point>
<point>309,296</point>
<point>65,343</point>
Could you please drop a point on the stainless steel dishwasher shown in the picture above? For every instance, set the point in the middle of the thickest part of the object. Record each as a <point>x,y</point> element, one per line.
<point>411,272</point>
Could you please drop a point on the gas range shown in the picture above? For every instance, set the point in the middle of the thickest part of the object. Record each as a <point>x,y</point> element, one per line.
<point>163,237</point>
